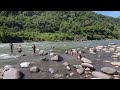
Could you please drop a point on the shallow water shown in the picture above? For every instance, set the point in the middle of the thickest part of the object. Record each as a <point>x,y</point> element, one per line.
<point>58,46</point>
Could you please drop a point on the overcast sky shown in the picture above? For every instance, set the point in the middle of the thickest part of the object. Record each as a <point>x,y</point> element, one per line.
<point>109,13</point>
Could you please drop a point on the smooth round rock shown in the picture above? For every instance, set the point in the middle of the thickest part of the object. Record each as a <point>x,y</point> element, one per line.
<point>85,60</point>
<point>88,65</point>
<point>13,73</point>
<point>80,71</point>
<point>108,70</point>
<point>101,75</point>
<point>65,64</point>
<point>34,69</point>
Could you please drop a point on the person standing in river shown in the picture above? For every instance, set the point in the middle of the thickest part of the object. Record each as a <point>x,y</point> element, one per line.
<point>34,48</point>
<point>11,47</point>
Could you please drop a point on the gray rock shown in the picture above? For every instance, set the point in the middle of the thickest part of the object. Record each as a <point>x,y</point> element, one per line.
<point>87,69</point>
<point>72,74</point>
<point>58,76</point>
<point>13,73</point>
<point>116,78</point>
<point>108,70</point>
<point>87,65</point>
<point>80,71</point>
<point>56,58</point>
<point>68,68</point>
<point>34,69</point>
<point>65,64</point>
<point>115,63</point>
<point>85,60</point>
<point>51,70</point>
<point>43,52</point>
<point>7,67</point>
<point>77,66</point>
<point>101,75</point>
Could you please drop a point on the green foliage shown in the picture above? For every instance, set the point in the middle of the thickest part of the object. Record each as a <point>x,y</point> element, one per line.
<point>18,26</point>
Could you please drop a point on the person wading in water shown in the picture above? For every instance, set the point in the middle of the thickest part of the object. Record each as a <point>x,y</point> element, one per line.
<point>11,47</point>
<point>34,49</point>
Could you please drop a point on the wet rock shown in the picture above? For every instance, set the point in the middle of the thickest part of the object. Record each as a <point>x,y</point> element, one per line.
<point>51,70</point>
<point>34,69</point>
<point>88,65</point>
<point>85,60</point>
<point>77,66</point>
<point>65,64</point>
<point>7,67</point>
<point>108,70</point>
<point>72,74</point>
<point>68,68</point>
<point>101,75</point>
<point>80,70</point>
<point>25,64</point>
<point>58,76</point>
<point>43,52</point>
<point>13,73</point>
<point>115,63</point>
<point>56,58</point>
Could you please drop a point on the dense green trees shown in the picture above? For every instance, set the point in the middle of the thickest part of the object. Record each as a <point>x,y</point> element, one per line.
<point>18,26</point>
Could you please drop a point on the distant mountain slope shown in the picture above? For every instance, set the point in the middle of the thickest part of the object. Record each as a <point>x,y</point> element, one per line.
<point>83,24</point>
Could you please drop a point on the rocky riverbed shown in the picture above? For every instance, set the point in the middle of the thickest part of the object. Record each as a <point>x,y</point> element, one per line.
<point>100,62</point>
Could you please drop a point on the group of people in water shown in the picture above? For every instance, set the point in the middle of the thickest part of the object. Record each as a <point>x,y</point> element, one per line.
<point>19,48</point>
<point>74,53</point>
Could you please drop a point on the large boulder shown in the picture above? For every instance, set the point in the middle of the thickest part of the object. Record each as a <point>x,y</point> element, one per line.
<point>34,69</point>
<point>56,58</point>
<point>87,65</point>
<point>101,75</point>
<point>13,73</point>
<point>85,60</point>
<point>108,70</point>
<point>25,64</point>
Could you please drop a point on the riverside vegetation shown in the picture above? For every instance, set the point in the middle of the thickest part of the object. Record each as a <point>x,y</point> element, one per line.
<point>20,26</point>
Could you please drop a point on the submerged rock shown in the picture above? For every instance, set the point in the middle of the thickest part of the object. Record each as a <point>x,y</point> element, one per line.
<point>101,75</point>
<point>108,70</point>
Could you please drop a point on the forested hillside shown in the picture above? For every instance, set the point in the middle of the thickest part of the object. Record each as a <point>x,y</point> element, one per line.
<point>18,26</point>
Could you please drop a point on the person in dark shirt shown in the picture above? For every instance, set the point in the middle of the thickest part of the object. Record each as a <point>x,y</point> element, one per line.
<point>11,47</point>
<point>34,49</point>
